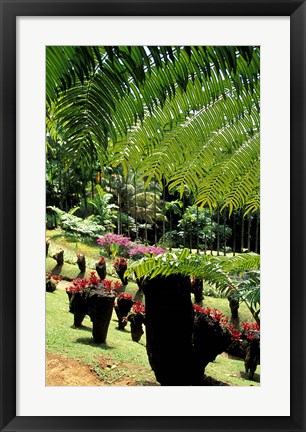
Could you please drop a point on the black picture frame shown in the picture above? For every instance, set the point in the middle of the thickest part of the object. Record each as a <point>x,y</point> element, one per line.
<point>9,11</point>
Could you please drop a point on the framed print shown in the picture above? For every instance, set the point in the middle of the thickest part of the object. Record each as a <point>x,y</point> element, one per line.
<point>277,30</point>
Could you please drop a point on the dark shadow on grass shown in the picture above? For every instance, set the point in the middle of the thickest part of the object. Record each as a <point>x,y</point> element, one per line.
<point>91,342</point>
<point>57,269</point>
<point>246,376</point>
<point>82,328</point>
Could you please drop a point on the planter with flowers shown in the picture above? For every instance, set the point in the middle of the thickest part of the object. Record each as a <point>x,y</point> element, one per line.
<point>77,294</point>
<point>52,282</point>
<point>101,268</point>
<point>101,297</point>
<point>211,336</point>
<point>124,302</point>
<point>137,317</point>
<point>251,337</point>
<point>120,265</point>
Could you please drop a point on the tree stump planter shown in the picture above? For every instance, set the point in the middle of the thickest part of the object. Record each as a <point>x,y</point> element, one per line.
<point>209,340</point>
<point>136,321</point>
<point>120,265</point>
<point>101,268</point>
<point>169,321</point>
<point>59,257</point>
<point>81,262</point>
<point>100,308</point>
<point>78,306</point>
<point>252,355</point>
<point>124,304</point>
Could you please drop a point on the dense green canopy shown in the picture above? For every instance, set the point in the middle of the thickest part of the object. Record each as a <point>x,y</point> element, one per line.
<point>187,114</point>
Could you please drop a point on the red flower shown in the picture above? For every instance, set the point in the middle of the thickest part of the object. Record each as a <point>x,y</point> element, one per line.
<point>236,335</point>
<point>250,336</point>
<point>217,315</point>
<point>107,284</point>
<point>125,296</point>
<point>102,260</point>
<point>138,307</point>
<point>117,285</point>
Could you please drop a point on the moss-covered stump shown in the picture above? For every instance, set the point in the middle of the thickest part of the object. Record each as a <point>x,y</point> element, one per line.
<point>100,308</point>
<point>124,304</point>
<point>169,320</point>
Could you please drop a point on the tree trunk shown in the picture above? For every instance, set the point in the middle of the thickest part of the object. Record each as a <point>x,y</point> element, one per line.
<point>257,233</point>
<point>242,233</point>
<point>218,231</point>
<point>249,232</point>
<point>169,338</point>
<point>234,233</point>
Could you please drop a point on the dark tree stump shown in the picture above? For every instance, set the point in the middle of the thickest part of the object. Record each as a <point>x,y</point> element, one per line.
<point>78,306</point>
<point>59,257</point>
<point>51,285</point>
<point>136,321</point>
<point>123,306</point>
<point>100,308</point>
<point>120,272</point>
<point>101,270</point>
<point>234,306</point>
<point>81,262</point>
<point>141,283</point>
<point>197,290</point>
<point>209,340</point>
<point>169,321</point>
<point>252,356</point>
<point>47,246</point>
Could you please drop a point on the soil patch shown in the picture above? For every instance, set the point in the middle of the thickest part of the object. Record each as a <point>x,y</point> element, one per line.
<point>62,371</point>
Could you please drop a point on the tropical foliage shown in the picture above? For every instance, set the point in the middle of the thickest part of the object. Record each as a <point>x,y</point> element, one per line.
<point>189,115</point>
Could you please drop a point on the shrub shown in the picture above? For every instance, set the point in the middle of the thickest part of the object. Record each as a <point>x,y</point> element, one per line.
<point>140,251</point>
<point>114,244</point>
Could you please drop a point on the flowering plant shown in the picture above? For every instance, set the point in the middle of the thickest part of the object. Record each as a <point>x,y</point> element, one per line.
<point>101,260</point>
<point>140,251</point>
<point>138,308</point>
<point>115,243</point>
<point>218,317</point>
<point>51,282</point>
<point>120,263</point>
<point>125,296</point>
<point>83,285</point>
<point>53,277</point>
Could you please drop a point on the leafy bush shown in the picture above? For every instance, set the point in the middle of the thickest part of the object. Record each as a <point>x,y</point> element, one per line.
<point>73,224</point>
